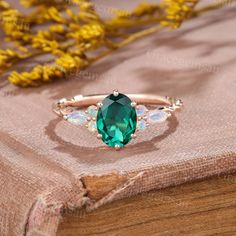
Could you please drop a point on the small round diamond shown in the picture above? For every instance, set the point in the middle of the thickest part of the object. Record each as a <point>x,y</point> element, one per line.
<point>141,110</point>
<point>141,125</point>
<point>92,126</point>
<point>76,117</point>
<point>92,111</point>
<point>157,116</point>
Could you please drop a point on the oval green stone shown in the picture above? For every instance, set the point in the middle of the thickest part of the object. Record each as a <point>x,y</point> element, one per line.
<point>116,120</point>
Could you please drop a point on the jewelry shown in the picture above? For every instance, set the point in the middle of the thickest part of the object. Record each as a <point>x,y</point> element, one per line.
<point>116,118</point>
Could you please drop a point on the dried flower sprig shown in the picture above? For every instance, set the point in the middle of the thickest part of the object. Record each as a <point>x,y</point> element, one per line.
<point>177,11</point>
<point>69,32</point>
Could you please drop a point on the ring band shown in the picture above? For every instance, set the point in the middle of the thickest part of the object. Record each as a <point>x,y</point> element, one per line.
<point>117,117</point>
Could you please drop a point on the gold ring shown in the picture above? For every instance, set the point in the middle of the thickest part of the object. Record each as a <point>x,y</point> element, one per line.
<point>116,117</point>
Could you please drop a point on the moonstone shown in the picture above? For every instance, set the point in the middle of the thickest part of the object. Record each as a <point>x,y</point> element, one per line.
<point>77,117</point>
<point>141,125</point>
<point>92,126</point>
<point>141,110</point>
<point>157,116</point>
<point>92,111</point>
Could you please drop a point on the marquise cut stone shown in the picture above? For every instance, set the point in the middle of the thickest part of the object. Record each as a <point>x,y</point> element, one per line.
<point>141,110</point>
<point>157,116</point>
<point>77,117</point>
<point>116,120</point>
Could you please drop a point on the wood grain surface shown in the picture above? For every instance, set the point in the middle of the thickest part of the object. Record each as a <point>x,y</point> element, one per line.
<point>206,207</point>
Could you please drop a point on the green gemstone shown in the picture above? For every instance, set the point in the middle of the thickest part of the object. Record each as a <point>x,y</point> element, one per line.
<point>116,120</point>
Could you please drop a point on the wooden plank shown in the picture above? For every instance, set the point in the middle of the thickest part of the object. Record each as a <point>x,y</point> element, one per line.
<point>205,207</point>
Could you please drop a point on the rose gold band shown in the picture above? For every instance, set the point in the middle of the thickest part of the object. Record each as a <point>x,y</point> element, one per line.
<point>169,104</point>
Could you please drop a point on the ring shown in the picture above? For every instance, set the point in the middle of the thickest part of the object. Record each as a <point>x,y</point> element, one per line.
<point>116,117</point>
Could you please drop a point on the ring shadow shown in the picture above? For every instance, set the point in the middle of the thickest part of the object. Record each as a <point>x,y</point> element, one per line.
<point>105,154</point>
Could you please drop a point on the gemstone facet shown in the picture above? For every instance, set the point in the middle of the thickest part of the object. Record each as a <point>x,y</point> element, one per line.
<point>116,120</point>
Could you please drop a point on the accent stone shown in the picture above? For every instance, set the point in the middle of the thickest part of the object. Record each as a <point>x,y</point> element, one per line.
<point>92,111</point>
<point>92,126</point>
<point>141,110</point>
<point>77,117</point>
<point>116,120</point>
<point>157,116</point>
<point>141,125</point>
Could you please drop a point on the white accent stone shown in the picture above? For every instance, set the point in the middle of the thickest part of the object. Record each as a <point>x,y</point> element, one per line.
<point>77,117</point>
<point>141,110</point>
<point>92,111</point>
<point>92,126</point>
<point>157,116</point>
<point>141,125</point>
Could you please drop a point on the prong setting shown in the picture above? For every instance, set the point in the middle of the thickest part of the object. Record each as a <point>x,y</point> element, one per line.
<point>133,104</point>
<point>115,92</point>
<point>89,118</point>
<point>117,147</point>
<point>65,117</point>
<point>99,104</point>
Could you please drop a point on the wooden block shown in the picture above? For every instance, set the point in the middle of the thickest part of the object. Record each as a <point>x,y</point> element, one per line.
<point>205,207</point>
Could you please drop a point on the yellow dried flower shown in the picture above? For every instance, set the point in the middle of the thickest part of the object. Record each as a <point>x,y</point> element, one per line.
<point>68,62</point>
<point>84,5</point>
<point>54,15</point>
<point>14,24</point>
<point>44,40</point>
<point>72,15</point>
<point>30,3</point>
<point>145,9</point>
<point>120,12</point>
<point>177,11</point>
<point>92,31</point>
<point>60,29</point>
<point>88,32</point>
<point>7,57</point>
<point>37,76</point>
<point>69,34</point>
<point>4,5</point>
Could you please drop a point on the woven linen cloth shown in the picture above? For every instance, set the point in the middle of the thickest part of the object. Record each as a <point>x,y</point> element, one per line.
<point>48,166</point>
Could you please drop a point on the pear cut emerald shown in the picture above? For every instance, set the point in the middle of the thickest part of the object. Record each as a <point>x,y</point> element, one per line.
<point>116,120</point>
